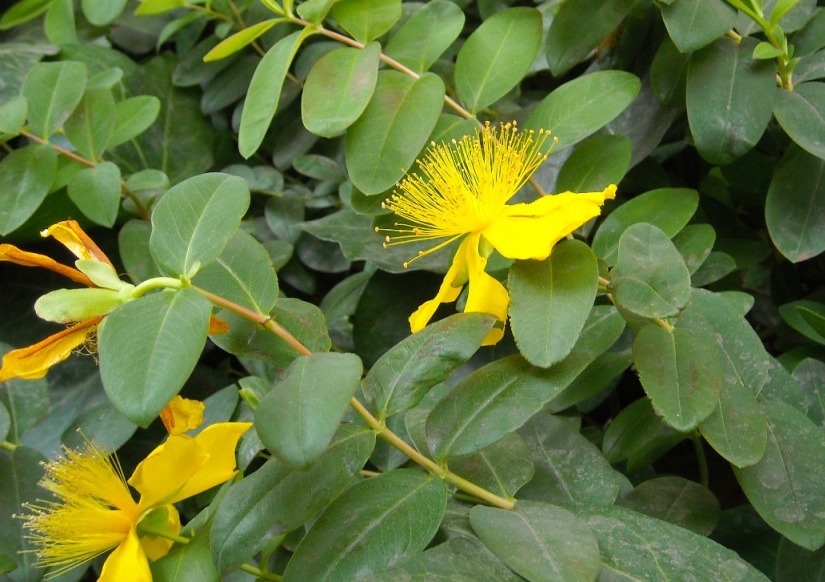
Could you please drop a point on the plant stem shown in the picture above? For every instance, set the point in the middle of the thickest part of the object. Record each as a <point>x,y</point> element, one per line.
<point>704,477</point>
<point>7,446</point>
<point>157,283</point>
<point>142,210</point>
<point>159,533</point>
<point>375,424</point>
<point>250,569</point>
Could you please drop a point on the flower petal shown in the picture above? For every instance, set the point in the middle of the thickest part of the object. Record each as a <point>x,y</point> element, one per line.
<point>165,471</point>
<point>76,240</point>
<point>156,547</point>
<point>447,293</point>
<point>485,294</point>
<point>182,414</point>
<point>529,231</point>
<point>219,441</point>
<point>12,254</point>
<point>34,361</point>
<point>127,562</point>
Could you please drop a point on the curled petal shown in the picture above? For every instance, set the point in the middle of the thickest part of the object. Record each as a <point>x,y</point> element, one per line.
<point>76,240</point>
<point>127,562</point>
<point>529,231</point>
<point>12,254</point>
<point>165,471</point>
<point>182,414</point>
<point>34,361</point>
<point>485,294</point>
<point>447,293</point>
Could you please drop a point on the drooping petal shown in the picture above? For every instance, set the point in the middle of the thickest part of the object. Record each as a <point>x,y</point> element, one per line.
<point>156,547</point>
<point>219,441</point>
<point>127,562</point>
<point>165,471</point>
<point>76,240</point>
<point>529,231</point>
<point>12,254</point>
<point>34,361</point>
<point>447,293</point>
<point>485,294</point>
<point>182,414</point>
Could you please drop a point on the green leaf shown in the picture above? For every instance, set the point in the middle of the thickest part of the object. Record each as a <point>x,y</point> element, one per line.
<point>103,425</point>
<point>52,91</point>
<point>96,192</point>
<point>315,10</point>
<point>801,113</point>
<point>148,349</point>
<point>582,106</point>
<point>502,467</point>
<point>26,402</point>
<point>695,242</point>
<point>650,278</point>
<point>765,50</point>
<point>149,7</point>
<point>273,501</point>
<point>265,91</point>
<point>91,125</point>
<point>785,486</point>
<point>59,23</point>
<point>26,175</point>
<point>102,13</point>
<point>501,396</point>
<point>403,375</point>
<point>795,207</point>
<point>805,317</point>
<point>133,243</point>
<point>425,36</point>
<point>677,501</point>
<point>134,116</point>
<point>366,20</point>
<point>794,563</point>
<point>22,470</point>
<point>5,422</point>
<point>190,562</point>
<point>497,56</point>
<point>596,163</point>
<point>680,369</point>
<point>637,547</point>
<point>693,24</point>
<point>239,40</point>
<point>570,40</point>
<point>371,526</point>
<point>639,436</point>
<point>195,220</point>
<point>668,73</point>
<point>669,209</point>
<point>338,88</point>
<point>539,541</point>
<point>242,273</point>
<point>729,99</point>
<point>384,142</point>
<point>301,319</point>
<point>13,115</point>
<point>23,11</point>
<point>296,420</point>
<point>570,470</point>
<point>551,300</point>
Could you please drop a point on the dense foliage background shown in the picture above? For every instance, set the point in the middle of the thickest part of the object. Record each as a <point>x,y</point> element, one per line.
<point>656,407</point>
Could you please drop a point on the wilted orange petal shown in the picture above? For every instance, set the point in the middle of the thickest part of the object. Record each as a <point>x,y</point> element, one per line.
<point>217,325</point>
<point>76,240</point>
<point>34,361</point>
<point>12,254</point>
<point>182,414</point>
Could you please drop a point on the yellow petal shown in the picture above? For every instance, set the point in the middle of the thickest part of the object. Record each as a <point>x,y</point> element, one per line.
<point>447,293</point>
<point>34,361</point>
<point>182,414</point>
<point>157,547</point>
<point>76,240</point>
<point>529,231</point>
<point>12,254</point>
<point>165,471</point>
<point>127,562</point>
<point>485,294</point>
<point>219,441</point>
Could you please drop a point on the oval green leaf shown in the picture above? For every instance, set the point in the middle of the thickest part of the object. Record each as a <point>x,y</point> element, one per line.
<point>134,116</point>
<point>102,13</point>
<point>497,56</point>
<point>195,220</point>
<point>551,300</point>
<point>595,164</point>
<point>582,106</point>
<point>148,349</point>
<point>237,41</point>
<point>297,419</point>
<point>692,25</point>
<point>26,175</point>
<point>96,192</point>
<point>371,526</point>
<point>52,91</point>
<point>676,500</point>
<point>384,142</point>
<point>366,20</point>
<point>801,113</point>
<point>338,89</point>
<point>426,35</point>
<point>92,123</point>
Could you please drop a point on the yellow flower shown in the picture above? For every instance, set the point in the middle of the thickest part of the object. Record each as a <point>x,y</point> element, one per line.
<point>463,189</point>
<point>94,511</point>
<point>182,414</point>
